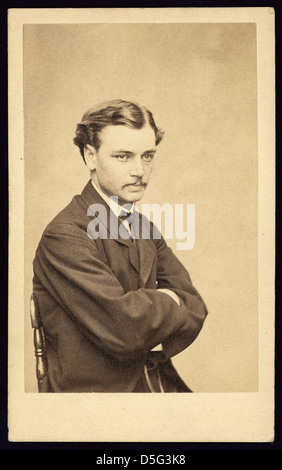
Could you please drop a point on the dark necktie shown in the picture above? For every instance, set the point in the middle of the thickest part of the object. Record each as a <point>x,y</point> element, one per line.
<point>124,215</point>
<point>133,248</point>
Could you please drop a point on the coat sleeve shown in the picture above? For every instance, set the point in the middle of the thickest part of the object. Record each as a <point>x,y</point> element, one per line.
<point>124,325</point>
<point>172,275</point>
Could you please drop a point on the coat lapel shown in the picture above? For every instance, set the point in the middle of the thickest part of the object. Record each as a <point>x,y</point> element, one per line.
<point>147,255</point>
<point>140,251</point>
<point>90,196</point>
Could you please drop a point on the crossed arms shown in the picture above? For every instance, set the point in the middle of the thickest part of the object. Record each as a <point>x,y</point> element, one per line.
<point>125,325</point>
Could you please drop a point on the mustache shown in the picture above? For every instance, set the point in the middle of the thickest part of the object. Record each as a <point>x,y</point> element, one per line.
<point>136,183</point>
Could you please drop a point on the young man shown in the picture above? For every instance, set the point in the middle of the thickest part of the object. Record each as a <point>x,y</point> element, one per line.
<point>116,305</point>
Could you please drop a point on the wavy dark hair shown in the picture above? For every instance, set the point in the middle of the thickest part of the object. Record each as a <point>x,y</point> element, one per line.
<point>112,113</point>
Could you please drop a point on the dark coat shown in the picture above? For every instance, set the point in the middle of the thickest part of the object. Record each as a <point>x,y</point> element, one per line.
<point>101,310</point>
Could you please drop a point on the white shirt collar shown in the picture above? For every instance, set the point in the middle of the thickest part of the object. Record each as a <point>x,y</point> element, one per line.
<point>115,207</point>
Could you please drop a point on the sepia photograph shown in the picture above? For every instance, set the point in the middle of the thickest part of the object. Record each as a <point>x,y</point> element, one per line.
<point>142,224</point>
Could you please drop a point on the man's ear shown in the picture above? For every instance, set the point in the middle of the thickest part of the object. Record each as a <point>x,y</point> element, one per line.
<point>90,157</point>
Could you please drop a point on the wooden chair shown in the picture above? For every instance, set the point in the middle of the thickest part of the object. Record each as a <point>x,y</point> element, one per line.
<point>39,346</point>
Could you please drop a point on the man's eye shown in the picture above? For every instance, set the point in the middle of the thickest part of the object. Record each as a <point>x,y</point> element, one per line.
<point>122,158</point>
<point>148,157</point>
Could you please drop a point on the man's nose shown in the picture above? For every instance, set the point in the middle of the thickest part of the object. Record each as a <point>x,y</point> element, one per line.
<point>137,168</point>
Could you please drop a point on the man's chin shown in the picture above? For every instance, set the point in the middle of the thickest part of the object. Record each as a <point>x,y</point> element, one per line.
<point>132,195</point>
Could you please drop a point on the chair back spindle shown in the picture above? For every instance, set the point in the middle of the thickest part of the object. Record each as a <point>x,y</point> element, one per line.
<point>39,343</point>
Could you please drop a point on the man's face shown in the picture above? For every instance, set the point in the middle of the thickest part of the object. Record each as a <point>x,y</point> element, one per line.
<point>124,161</point>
